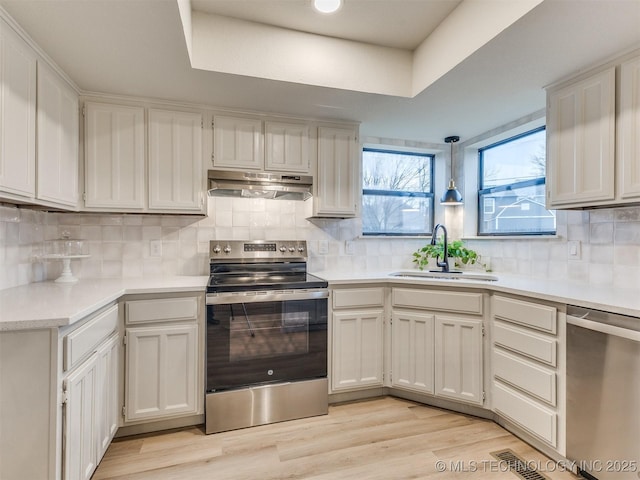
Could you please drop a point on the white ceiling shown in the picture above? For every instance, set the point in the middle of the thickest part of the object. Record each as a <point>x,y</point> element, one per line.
<point>137,47</point>
<point>390,23</point>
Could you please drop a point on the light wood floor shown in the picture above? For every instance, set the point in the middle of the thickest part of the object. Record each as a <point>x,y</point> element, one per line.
<point>384,438</point>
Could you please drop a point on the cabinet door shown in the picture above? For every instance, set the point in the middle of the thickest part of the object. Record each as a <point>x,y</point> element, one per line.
<point>161,371</point>
<point>114,169</point>
<point>412,351</point>
<point>107,388</point>
<point>17,114</point>
<point>628,129</point>
<point>175,161</point>
<point>80,456</point>
<point>57,139</point>
<point>357,349</point>
<point>286,147</point>
<point>458,359</point>
<point>336,181</point>
<point>580,142</point>
<point>237,143</point>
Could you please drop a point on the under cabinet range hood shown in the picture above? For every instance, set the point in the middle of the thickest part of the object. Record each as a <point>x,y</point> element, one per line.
<point>225,183</point>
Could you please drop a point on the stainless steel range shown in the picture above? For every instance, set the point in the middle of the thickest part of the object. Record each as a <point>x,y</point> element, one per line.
<point>266,335</point>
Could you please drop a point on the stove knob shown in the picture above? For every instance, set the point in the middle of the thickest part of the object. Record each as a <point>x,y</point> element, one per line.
<point>292,249</point>
<point>283,249</point>
<point>227,249</point>
<point>217,249</point>
<point>301,249</point>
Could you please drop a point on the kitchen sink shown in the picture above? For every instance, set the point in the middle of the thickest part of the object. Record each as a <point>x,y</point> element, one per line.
<point>445,275</point>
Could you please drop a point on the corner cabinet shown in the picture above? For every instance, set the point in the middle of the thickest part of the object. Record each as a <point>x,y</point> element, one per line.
<point>336,183</point>
<point>357,323</point>
<point>593,150</point>
<point>437,343</point>
<point>115,157</point>
<point>17,115</point>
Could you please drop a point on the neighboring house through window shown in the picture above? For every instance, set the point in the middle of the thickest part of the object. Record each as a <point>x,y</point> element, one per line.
<point>511,196</point>
<point>397,195</point>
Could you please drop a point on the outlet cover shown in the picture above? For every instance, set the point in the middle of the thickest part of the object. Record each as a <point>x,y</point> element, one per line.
<point>323,247</point>
<point>574,251</point>
<point>155,248</point>
<point>349,247</point>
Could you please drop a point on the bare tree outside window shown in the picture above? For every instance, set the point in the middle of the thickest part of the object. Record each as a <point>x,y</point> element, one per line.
<point>397,193</point>
<point>511,197</point>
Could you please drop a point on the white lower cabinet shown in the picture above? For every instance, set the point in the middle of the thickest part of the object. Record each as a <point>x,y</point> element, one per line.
<point>357,349</point>
<point>160,371</point>
<point>108,388</point>
<point>357,328</point>
<point>458,359</point>
<point>90,394</point>
<point>412,363</point>
<point>436,352</point>
<point>163,355</point>
<point>80,426</point>
<point>527,363</point>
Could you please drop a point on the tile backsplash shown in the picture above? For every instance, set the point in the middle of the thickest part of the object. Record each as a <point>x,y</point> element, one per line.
<point>608,242</point>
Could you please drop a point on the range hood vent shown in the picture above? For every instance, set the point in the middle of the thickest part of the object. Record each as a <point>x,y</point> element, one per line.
<point>224,183</point>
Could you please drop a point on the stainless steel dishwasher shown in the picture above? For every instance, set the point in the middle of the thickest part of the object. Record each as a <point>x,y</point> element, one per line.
<point>603,394</point>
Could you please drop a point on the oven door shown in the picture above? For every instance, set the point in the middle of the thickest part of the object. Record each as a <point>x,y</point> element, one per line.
<point>265,337</point>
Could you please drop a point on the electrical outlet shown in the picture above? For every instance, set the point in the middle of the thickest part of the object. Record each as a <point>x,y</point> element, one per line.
<point>349,247</point>
<point>574,250</point>
<point>155,248</point>
<point>323,247</point>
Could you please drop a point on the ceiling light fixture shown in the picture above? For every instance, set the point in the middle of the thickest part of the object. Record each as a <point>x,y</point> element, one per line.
<point>452,196</point>
<point>327,6</point>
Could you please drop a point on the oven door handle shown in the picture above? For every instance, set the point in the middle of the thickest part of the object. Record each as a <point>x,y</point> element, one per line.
<point>271,296</point>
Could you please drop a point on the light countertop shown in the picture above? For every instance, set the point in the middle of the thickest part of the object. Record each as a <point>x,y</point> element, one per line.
<point>599,297</point>
<point>50,304</point>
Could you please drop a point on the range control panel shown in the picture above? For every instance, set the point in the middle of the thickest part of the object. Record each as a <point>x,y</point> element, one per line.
<point>257,249</point>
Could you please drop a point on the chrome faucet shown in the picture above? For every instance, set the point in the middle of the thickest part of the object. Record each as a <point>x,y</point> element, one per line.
<point>444,265</point>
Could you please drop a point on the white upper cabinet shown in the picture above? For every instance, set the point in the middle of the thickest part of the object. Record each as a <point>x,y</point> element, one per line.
<point>17,114</point>
<point>629,129</point>
<point>175,160</point>
<point>237,143</point>
<point>336,182</point>
<point>286,147</point>
<point>580,141</point>
<point>115,157</point>
<point>593,145</point>
<point>57,164</point>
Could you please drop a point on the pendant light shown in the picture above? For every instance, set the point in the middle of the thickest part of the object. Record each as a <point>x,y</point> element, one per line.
<point>452,196</point>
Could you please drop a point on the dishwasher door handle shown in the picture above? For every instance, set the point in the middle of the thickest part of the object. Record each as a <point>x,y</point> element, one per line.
<point>604,328</point>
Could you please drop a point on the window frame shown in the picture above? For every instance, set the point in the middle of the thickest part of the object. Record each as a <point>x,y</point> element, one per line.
<point>402,193</point>
<point>503,188</point>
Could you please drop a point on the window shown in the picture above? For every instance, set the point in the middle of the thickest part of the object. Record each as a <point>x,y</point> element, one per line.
<point>397,195</point>
<point>511,197</point>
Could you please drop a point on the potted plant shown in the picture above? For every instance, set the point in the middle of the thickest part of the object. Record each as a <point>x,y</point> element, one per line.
<point>456,250</point>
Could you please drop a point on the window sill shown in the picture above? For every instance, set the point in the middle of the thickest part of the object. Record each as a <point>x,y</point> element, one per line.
<point>511,237</point>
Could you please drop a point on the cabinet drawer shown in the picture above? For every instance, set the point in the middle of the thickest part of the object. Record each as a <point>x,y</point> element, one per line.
<point>462,302</point>
<point>527,343</point>
<point>162,310</point>
<point>540,317</point>
<point>535,418</point>
<point>358,297</point>
<point>84,339</point>
<point>533,379</point>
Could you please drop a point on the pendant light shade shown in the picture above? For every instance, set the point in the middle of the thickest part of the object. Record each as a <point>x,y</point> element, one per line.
<point>452,196</point>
